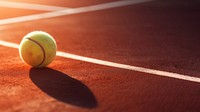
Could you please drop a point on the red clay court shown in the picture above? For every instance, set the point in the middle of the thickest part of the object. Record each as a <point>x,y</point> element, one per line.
<point>113,56</point>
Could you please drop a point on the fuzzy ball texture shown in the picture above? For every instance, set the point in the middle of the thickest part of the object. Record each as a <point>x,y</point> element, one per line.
<point>38,49</point>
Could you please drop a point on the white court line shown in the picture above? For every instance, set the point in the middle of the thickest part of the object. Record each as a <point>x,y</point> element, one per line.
<point>30,6</point>
<point>92,60</point>
<point>71,11</point>
<point>116,65</point>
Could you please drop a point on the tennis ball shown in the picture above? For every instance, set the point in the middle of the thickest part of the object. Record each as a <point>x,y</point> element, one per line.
<point>37,49</point>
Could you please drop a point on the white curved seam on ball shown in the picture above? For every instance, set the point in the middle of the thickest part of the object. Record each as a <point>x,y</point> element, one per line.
<point>44,55</point>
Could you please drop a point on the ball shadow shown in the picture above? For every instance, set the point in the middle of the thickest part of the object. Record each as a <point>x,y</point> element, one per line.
<point>62,87</point>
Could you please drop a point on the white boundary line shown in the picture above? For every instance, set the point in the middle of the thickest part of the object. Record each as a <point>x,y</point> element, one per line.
<point>71,11</point>
<point>116,65</point>
<point>30,6</point>
<point>92,60</point>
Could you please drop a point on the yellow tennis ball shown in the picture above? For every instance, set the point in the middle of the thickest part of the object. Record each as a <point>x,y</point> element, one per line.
<point>37,49</point>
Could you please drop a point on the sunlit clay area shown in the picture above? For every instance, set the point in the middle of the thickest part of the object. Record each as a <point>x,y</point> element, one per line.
<point>99,56</point>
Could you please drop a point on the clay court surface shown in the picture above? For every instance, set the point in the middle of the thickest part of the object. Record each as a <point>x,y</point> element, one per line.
<point>113,56</point>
